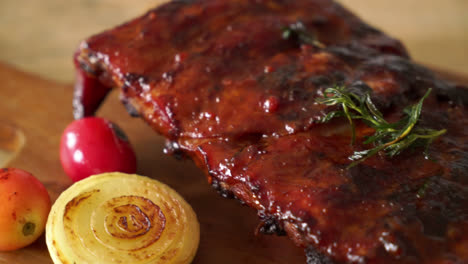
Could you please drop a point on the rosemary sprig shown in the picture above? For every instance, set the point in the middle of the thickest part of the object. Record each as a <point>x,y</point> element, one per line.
<point>297,31</point>
<point>391,138</point>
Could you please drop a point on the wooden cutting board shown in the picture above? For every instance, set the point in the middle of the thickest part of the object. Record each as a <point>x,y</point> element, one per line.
<point>41,109</point>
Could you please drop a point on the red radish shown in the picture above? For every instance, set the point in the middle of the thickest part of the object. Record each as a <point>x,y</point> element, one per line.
<point>95,145</point>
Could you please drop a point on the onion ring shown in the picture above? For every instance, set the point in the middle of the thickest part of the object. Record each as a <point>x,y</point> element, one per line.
<point>121,218</point>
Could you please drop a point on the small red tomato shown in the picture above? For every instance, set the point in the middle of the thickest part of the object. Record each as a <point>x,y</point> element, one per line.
<point>94,145</point>
<point>25,207</point>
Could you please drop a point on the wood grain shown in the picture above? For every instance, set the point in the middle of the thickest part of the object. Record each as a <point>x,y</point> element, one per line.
<point>42,109</point>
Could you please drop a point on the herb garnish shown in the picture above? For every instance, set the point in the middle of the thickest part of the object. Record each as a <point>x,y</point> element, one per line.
<point>297,31</point>
<point>392,138</point>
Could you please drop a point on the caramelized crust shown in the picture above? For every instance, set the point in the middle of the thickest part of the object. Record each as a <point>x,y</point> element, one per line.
<point>222,68</point>
<point>220,81</point>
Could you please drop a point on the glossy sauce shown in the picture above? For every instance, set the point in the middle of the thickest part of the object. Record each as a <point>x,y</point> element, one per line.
<point>221,83</point>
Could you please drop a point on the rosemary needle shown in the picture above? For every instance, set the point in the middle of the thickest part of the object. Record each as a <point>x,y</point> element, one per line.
<point>297,31</point>
<point>391,138</point>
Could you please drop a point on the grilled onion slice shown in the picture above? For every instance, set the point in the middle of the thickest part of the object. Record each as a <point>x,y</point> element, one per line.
<point>121,218</point>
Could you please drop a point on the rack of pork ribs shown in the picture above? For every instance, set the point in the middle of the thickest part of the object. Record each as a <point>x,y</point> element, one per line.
<point>233,85</point>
